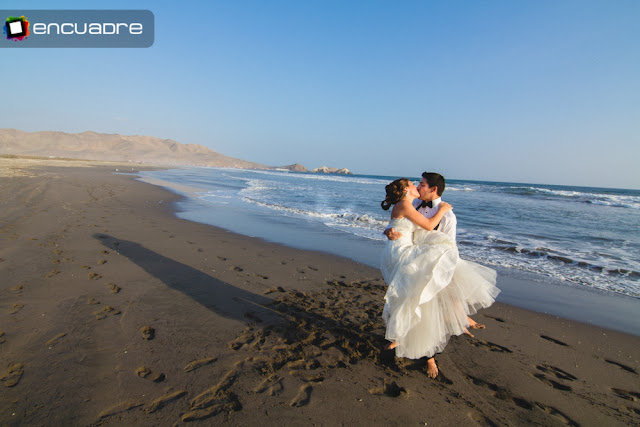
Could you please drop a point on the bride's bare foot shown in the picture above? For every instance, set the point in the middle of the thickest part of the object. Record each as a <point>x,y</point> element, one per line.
<point>432,368</point>
<point>466,331</point>
<point>390,346</point>
<point>475,325</point>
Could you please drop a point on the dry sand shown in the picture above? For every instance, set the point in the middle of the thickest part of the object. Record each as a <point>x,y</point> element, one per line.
<point>114,311</point>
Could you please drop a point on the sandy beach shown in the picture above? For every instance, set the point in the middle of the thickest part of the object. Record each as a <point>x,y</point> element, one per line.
<point>114,311</point>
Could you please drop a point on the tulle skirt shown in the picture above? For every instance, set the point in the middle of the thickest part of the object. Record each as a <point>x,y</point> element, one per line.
<point>431,291</point>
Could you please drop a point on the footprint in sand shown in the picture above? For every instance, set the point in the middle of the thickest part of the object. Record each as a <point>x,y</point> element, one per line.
<point>553,340</point>
<point>101,314</point>
<point>491,346</point>
<point>53,273</point>
<point>627,395</point>
<point>111,310</point>
<point>303,397</point>
<point>18,289</point>
<point>308,378</point>
<point>146,373</point>
<point>632,409</point>
<point>15,308</point>
<point>53,341</point>
<point>212,405</point>
<point>556,413</point>
<point>389,389</point>
<point>192,366</point>
<point>441,378</point>
<point>102,261</point>
<point>2,339</point>
<point>230,377</point>
<point>552,383</point>
<point>94,276</point>
<point>13,374</point>
<point>92,301</point>
<point>621,366</point>
<point>119,408</point>
<point>113,288</point>
<point>272,290</point>
<point>272,384</point>
<point>148,332</point>
<point>304,364</point>
<point>501,393</point>
<point>216,399</point>
<point>559,373</point>
<point>164,400</point>
<point>247,337</point>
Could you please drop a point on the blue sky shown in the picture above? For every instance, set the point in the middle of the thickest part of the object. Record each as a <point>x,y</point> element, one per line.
<point>527,91</point>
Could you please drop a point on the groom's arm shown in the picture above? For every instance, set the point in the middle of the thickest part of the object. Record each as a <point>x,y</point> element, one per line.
<point>449,225</point>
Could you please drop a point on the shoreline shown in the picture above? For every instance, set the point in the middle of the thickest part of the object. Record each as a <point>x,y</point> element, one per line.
<point>526,290</point>
<point>113,310</point>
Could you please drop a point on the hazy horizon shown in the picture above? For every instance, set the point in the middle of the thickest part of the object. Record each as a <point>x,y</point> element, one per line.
<point>410,176</point>
<point>539,92</point>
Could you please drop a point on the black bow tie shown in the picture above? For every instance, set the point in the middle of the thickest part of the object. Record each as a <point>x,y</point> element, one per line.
<point>424,203</point>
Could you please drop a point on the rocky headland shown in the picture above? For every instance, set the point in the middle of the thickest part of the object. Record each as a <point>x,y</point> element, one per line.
<point>341,171</point>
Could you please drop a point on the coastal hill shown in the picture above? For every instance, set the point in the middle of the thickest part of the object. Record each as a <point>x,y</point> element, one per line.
<point>114,147</point>
<point>122,148</point>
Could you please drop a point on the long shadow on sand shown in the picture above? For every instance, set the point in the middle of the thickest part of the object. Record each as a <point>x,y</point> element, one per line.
<point>344,319</point>
<point>220,297</point>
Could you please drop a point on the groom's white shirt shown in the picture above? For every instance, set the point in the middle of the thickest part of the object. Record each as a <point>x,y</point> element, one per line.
<point>447,224</point>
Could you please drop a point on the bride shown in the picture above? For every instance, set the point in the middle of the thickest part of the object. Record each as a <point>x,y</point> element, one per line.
<point>431,291</point>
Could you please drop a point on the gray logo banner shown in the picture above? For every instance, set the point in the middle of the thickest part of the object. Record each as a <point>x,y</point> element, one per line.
<point>23,28</point>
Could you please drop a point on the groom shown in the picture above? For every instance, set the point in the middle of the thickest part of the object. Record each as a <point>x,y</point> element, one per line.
<point>430,188</point>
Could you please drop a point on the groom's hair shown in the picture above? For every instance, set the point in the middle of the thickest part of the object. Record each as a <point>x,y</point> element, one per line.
<point>435,179</point>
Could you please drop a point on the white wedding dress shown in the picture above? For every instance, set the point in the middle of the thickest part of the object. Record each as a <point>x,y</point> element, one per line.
<point>430,290</point>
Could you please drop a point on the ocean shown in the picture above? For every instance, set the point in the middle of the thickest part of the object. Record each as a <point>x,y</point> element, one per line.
<point>576,237</point>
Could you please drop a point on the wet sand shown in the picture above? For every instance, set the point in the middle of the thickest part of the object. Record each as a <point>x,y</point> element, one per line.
<point>114,311</point>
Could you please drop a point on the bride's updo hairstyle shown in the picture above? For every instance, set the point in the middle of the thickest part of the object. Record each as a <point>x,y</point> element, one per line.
<point>395,192</point>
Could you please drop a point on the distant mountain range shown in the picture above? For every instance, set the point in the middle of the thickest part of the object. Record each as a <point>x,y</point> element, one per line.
<point>125,148</point>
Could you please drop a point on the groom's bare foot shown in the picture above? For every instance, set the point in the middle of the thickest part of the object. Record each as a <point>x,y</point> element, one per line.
<point>391,346</point>
<point>475,325</point>
<point>432,368</point>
